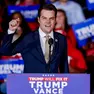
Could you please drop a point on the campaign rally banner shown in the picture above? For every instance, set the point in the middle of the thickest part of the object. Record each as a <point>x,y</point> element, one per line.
<point>10,66</point>
<point>48,84</point>
<point>29,12</point>
<point>90,4</point>
<point>83,31</point>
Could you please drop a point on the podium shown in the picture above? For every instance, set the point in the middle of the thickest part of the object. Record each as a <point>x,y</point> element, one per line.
<point>48,84</point>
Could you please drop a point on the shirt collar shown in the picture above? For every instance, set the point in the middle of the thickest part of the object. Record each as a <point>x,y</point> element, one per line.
<point>42,34</point>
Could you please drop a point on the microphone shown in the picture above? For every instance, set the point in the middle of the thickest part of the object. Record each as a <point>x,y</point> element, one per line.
<point>50,42</point>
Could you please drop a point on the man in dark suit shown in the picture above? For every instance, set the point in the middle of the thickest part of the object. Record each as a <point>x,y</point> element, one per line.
<point>33,45</point>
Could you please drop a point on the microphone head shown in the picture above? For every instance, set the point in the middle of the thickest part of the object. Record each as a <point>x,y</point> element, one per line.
<point>50,41</point>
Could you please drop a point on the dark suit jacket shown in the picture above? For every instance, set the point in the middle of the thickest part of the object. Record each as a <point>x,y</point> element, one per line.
<point>32,54</point>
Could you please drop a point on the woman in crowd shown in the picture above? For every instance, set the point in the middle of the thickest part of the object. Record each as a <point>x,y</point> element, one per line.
<point>76,60</point>
<point>22,30</point>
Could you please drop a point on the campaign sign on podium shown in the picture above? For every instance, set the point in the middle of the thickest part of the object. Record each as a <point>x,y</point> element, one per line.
<point>48,84</point>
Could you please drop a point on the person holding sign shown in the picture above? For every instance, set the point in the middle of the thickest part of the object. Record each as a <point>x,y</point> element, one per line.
<point>14,63</point>
<point>41,50</point>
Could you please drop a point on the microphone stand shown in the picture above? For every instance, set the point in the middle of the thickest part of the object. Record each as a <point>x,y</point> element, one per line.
<point>49,70</point>
<point>50,42</point>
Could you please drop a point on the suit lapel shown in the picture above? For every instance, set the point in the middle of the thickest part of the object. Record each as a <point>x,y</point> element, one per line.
<point>37,51</point>
<point>55,47</point>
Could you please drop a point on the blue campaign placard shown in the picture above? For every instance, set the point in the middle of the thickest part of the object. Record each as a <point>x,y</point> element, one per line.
<point>29,12</point>
<point>90,4</point>
<point>48,1</point>
<point>48,84</point>
<point>83,31</point>
<point>10,66</point>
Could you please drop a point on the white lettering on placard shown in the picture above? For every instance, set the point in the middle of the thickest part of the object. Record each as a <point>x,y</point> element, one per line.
<point>11,68</point>
<point>91,1</point>
<point>28,13</point>
<point>85,32</point>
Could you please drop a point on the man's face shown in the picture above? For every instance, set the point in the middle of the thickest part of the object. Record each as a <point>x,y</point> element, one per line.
<point>47,20</point>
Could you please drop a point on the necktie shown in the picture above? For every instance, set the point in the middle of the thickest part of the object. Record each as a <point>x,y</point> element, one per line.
<point>46,49</point>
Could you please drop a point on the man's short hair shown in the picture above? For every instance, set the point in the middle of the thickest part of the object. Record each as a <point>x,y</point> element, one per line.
<point>47,7</point>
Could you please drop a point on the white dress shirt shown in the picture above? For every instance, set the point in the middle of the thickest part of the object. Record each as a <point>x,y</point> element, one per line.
<point>10,31</point>
<point>43,39</point>
<point>15,37</point>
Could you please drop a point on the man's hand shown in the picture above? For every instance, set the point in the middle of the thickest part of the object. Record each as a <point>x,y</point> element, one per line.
<point>14,24</point>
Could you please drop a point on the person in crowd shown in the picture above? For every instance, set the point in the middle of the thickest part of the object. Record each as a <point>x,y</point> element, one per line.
<point>41,50</point>
<point>88,52</point>
<point>23,25</point>
<point>73,11</point>
<point>5,15</point>
<point>23,28</point>
<point>63,27</point>
<point>76,60</point>
<point>20,33</point>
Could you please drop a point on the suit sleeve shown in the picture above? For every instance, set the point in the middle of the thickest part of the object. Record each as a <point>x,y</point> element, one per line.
<point>7,47</point>
<point>64,58</point>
